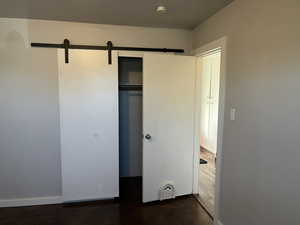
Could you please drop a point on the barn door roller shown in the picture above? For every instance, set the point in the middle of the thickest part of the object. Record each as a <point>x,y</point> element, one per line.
<point>109,47</point>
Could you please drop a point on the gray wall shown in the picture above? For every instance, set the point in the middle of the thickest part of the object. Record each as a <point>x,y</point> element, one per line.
<point>29,118</point>
<point>29,126</point>
<point>260,183</point>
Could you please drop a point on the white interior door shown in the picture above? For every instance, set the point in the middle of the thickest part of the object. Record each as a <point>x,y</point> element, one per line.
<point>210,85</point>
<point>88,89</point>
<point>214,102</point>
<point>205,101</point>
<point>168,117</point>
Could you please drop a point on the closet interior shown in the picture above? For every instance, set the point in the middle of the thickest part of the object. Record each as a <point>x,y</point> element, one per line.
<point>130,127</point>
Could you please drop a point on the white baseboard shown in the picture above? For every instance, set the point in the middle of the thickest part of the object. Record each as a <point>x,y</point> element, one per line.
<point>30,201</point>
<point>218,222</point>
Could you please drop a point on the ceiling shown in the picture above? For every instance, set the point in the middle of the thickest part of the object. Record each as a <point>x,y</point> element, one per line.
<point>185,14</point>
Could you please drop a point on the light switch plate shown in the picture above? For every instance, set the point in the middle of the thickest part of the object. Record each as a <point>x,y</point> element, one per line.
<point>232,114</point>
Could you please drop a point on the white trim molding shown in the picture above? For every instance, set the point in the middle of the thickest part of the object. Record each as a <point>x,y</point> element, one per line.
<point>218,222</point>
<point>217,45</point>
<point>212,46</point>
<point>30,201</point>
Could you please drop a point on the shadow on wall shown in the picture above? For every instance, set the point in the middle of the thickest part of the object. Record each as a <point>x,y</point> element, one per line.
<point>14,33</point>
<point>14,40</point>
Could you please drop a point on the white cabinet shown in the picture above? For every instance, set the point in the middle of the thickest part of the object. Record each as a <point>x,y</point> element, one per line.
<point>210,83</point>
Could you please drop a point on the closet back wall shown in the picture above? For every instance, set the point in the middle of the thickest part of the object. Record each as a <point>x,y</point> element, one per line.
<point>29,118</point>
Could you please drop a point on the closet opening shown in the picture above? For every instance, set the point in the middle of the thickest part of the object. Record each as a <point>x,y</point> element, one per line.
<point>130,128</point>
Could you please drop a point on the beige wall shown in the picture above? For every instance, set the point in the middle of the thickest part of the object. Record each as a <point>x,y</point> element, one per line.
<point>260,183</point>
<point>29,116</point>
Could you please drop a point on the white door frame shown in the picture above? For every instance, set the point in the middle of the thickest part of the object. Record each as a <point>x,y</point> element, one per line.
<point>219,44</point>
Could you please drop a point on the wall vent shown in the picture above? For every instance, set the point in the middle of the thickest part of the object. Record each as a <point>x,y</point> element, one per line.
<point>167,191</point>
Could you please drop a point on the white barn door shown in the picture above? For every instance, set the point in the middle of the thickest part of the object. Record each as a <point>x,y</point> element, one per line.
<point>88,89</point>
<point>168,123</point>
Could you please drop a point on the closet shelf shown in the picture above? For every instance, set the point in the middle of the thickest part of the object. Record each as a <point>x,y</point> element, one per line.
<point>130,87</point>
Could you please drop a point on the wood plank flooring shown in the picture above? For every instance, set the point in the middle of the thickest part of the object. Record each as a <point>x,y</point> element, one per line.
<point>207,174</point>
<point>128,210</point>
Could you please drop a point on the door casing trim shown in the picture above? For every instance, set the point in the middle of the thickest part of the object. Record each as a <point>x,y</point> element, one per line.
<point>216,45</point>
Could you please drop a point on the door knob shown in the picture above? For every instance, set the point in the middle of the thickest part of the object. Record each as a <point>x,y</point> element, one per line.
<point>148,136</point>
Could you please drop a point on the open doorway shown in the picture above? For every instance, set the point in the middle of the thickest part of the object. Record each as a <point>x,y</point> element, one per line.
<point>130,128</point>
<point>210,67</point>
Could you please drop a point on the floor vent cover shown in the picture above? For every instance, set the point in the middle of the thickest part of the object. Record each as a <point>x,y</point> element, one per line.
<point>167,191</point>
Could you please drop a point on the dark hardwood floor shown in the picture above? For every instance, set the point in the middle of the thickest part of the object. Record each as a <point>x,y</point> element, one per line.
<point>127,210</point>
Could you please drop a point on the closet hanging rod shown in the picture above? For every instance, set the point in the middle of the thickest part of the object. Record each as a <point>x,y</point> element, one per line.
<point>109,47</point>
<point>130,87</point>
